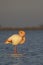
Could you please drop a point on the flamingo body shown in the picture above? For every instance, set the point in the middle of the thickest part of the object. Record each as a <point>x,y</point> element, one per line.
<point>15,39</point>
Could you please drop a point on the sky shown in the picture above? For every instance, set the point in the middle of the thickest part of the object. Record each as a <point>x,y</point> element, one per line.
<point>21,13</point>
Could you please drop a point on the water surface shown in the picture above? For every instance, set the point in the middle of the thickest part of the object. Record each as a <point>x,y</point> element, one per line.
<point>32,49</point>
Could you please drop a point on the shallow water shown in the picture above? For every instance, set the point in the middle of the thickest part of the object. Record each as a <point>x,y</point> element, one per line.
<point>31,50</point>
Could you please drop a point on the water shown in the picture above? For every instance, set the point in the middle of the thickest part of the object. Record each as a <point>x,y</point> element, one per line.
<point>32,49</point>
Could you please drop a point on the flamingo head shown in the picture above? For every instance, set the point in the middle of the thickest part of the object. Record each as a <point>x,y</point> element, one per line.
<point>21,33</point>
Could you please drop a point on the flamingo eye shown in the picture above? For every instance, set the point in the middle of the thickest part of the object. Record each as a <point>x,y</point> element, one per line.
<point>21,32</point>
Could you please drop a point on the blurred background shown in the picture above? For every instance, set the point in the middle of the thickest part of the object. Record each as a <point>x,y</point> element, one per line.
<point>21,13</point>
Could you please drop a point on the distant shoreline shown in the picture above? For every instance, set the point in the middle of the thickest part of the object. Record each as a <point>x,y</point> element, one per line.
<point>20,28</point>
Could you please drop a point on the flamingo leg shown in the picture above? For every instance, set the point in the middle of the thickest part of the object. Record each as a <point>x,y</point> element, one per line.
<point>15,50</point>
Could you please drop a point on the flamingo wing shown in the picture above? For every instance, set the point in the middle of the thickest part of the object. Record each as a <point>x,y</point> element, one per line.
<point>16,39</point>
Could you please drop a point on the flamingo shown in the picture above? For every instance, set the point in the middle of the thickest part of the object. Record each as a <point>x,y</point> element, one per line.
<point>16,39</point>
